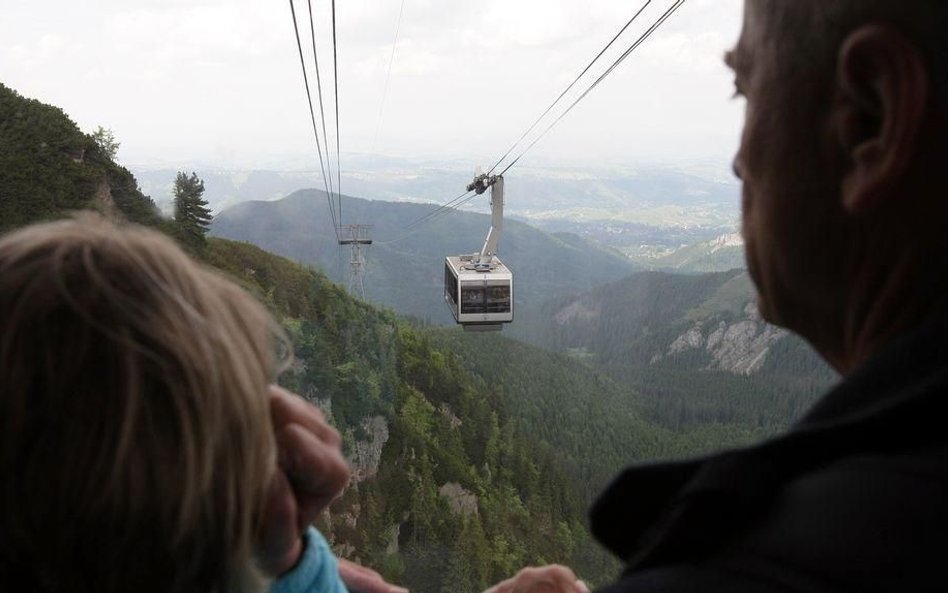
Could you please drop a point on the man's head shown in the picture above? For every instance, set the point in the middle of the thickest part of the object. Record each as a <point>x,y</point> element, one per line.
<point>135,442</point>
<point>844,131</point>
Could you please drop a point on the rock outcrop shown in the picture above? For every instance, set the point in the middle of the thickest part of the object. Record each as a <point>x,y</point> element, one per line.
<point>740,347</point>
<point>460,501</point>
<point>365,455</point>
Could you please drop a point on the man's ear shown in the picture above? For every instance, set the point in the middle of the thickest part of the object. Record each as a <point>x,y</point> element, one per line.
<point>884,94</point>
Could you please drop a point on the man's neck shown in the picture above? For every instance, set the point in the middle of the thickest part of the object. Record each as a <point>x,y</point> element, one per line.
<point>879,312</point>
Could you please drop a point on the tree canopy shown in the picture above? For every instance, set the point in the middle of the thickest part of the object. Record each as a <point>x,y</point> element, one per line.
<point>105,140</point>
<point>191,214</point>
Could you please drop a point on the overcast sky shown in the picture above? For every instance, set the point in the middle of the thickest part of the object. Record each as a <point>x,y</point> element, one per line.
<point>218,82</point>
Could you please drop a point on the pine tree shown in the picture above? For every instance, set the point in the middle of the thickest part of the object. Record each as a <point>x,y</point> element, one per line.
<point>105,140</point>
<point>191,214</point>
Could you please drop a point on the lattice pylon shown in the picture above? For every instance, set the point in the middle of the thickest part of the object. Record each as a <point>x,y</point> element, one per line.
<point>357,238</point>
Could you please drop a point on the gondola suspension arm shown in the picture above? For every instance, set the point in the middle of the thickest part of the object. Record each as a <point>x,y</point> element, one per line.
<point>496,184</point>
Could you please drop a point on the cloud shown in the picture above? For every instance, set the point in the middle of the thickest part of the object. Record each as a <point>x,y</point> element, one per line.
<point>688,53</point>
<point>47,48</point>
<point>220,79</point>
<point>179,33</point>
<point>531,23</point>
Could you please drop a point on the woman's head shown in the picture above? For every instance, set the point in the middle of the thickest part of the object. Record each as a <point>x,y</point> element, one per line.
<point>135,442</point>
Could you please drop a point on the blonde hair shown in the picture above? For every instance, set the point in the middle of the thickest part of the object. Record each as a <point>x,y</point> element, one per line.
<point>135,440</point>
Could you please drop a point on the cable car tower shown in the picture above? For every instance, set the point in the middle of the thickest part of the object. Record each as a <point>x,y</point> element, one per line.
<point>478,288</point>
<point>357,237</point>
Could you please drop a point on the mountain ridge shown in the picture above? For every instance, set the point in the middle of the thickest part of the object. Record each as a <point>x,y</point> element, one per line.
<point>405,267</point>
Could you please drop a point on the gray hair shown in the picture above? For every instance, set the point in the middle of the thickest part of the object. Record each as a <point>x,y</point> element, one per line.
<point>813,30</point>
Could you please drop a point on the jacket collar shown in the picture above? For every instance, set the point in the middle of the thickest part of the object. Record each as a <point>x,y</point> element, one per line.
<point>894,401</point>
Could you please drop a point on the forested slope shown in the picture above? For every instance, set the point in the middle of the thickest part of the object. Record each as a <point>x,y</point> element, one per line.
<point>474,454</point>
<point>693,346</point>
<point>48,166</point>
<point>451,491</point>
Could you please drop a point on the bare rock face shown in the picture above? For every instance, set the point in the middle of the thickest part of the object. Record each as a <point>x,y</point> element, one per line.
<point>691,339</point>
<point>577,310</point>
<point>453,420</point>
<point>344,550</point>
<point>460,501</point>
<point>323,403</point>
<point>351,517</point>
<point>740,348</point>
<point>103,202</point>
<point>365,455</point>
<point>392,548</point>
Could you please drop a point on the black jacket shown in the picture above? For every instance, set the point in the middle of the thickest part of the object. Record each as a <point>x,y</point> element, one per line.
<point>854,498</point>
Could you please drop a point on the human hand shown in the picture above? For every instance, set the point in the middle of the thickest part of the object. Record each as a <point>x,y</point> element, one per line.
<point>359,579</point>
<point>544,579</point>
<point>311,472</point>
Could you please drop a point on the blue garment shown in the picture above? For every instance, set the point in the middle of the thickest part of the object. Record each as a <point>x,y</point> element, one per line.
<point>316,572</point>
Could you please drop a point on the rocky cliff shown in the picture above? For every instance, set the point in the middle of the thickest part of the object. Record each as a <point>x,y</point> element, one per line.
<point>740,347</point>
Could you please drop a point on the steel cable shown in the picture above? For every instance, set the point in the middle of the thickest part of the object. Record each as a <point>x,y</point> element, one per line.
<point>312,114</point>
<point>322,112</point>
<point>456,203</point>
<point>571,85</point>
<point>335,72</point>
<point>615,64</point>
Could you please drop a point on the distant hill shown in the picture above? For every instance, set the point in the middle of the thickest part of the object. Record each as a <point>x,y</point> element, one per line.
<point>695,344</point>
<point>653,195</point>
<point>405,268</point>
<point>225,188</point>
<point>645,211</point>
<point>720,254</point>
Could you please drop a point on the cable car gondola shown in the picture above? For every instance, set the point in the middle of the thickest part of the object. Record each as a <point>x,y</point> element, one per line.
<point>478,288</point>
